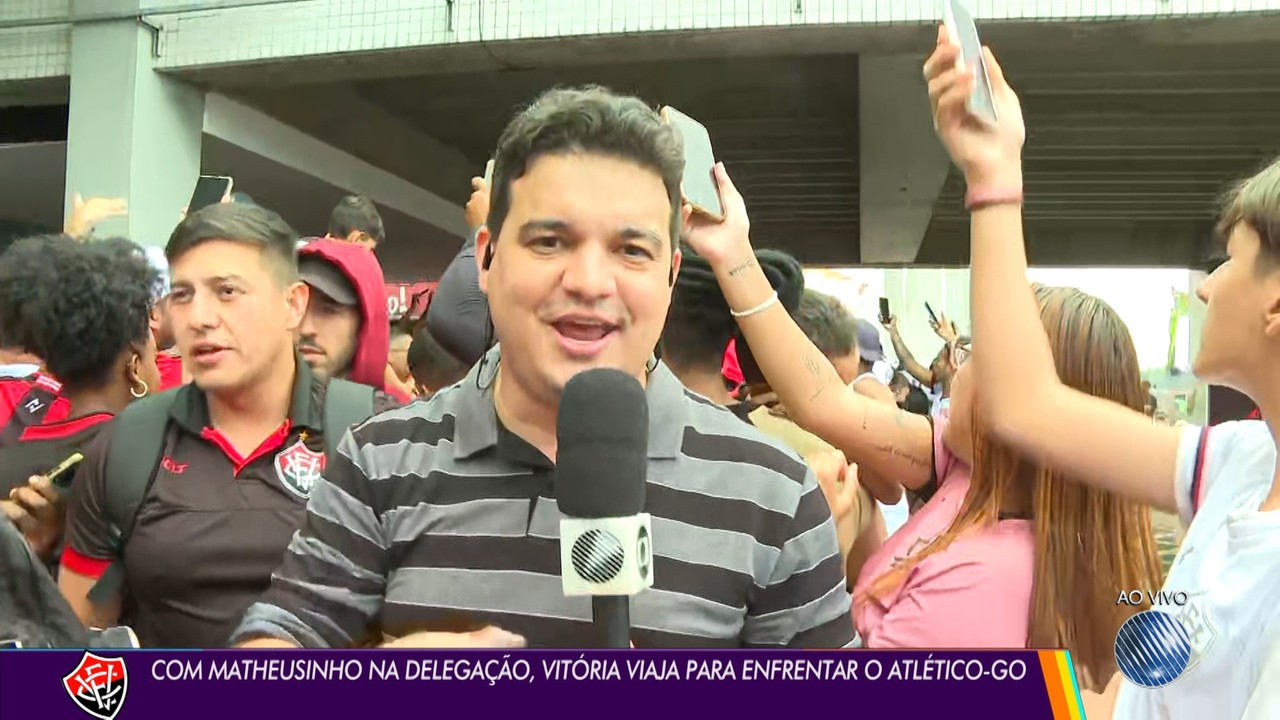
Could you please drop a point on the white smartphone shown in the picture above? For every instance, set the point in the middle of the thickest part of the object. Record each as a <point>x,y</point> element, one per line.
<point>488,175</point>
<point>964,32</point>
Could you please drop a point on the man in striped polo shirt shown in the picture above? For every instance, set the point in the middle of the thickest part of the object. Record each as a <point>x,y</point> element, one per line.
<point>438,523</point>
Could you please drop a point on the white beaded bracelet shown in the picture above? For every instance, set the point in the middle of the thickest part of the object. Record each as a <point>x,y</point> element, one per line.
<point>757,309</point>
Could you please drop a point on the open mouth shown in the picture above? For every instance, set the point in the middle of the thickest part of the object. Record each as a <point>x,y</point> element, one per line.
<point>584,336</point>
<point>207,353</point>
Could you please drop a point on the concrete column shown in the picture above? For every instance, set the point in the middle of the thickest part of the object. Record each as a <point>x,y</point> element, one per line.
<point>132,133</point>
<point>903,163</point>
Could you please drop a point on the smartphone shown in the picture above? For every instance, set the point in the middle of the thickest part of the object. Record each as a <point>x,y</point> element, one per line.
<point>884,311</point>
<point>964,32</point>
<point>699,185</point>
<point>488,175</point>
<point>210,189</point>
<point>933,318</point>
<point>60,477</point>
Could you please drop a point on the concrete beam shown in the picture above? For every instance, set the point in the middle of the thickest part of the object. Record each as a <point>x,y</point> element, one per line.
<point>903,163</point>
<point>262,134</point>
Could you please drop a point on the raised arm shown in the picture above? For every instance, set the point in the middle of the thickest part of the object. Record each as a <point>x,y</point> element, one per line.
<point>1103,443</point>
<point>908,361</point>
<point>880,438</point>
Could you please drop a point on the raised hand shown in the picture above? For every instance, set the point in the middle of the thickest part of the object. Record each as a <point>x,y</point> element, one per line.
<point>85,214</point>
<point>722,242</point>
<point>989,155</point>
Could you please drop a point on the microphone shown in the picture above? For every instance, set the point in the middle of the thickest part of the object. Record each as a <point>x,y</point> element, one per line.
<point>602,438</point>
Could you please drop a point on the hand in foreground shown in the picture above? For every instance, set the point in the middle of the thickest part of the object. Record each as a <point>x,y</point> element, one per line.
<point>37,510</point>
<point>946,329</point>
<point>728,241</point>
<point>488,637</point>
<point>478,204</point>
<point>85,214</point>
<point>839,486</point>
<point>988,155</point>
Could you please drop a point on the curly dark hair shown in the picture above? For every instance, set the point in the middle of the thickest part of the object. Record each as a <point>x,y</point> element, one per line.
<point>77,306</point>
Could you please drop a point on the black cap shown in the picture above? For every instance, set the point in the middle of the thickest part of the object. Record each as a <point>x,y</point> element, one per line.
<point>324,276</point>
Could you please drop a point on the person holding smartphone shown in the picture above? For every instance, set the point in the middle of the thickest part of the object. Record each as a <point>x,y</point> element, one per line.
<point>1223,481</point>
<point>95,336</point>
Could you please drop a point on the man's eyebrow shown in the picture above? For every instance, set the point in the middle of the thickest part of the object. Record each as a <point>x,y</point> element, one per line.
<point>650,236</point>
<point>545,225</point>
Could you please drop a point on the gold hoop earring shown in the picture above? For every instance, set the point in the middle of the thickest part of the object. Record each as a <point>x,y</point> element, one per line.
<point>135,392</point>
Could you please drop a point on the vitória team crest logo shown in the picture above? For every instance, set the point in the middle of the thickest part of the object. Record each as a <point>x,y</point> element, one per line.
<point>98,685</point>
<point>1152,649</point>
<point>299,468</point>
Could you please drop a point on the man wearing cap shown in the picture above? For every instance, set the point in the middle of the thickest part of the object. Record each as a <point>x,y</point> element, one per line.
<point>870,352</point>
<point>346,331</point>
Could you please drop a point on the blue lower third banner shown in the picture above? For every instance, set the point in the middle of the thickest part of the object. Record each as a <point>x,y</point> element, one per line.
<point>234,684</point>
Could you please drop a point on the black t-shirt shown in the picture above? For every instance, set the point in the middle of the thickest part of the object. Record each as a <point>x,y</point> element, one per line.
<point>42,447</point>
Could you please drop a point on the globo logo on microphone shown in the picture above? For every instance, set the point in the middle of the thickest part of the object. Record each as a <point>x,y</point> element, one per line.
<point>644,553</point>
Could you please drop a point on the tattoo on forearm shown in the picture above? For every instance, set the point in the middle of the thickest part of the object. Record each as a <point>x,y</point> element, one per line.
<point>903,454</point>
<point>741,268</point>
<point>815,370</point>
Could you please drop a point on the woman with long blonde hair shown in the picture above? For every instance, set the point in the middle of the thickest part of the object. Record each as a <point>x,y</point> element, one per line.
<point>1013,557</point>
<point>1223,639</point>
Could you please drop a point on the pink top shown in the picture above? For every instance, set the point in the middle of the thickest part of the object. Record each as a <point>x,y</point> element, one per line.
<point>976,593</point>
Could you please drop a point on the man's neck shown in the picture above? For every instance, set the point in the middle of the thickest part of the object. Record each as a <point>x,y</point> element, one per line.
<point>259,408</point>
<point>12,356</point>
<point>1270,407</point>
<point>524,416</point>
<point>709,384</point>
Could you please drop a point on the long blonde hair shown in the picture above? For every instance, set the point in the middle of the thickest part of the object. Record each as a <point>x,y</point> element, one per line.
<point>1089,544</point>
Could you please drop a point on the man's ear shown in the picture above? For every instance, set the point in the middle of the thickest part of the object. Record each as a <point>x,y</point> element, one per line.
<point>1271,321</point>
<point>484,256</point>
<point>296,298</point>
<point>686,212</point>
<point>676,257</point>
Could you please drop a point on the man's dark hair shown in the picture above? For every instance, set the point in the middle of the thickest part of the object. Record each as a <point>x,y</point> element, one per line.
<point>699,325</point>
<point>591,120</point>
<point>431,365</point>
<point>249,224</point>
<point>356,213</point>
<point>827,323</point>
<point>917,402</point>
<point>77,306</point>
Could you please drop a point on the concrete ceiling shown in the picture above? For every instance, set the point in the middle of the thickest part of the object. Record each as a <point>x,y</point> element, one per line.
<point>32,178</point>
<point>785,126</point>
<point>1132,139</point>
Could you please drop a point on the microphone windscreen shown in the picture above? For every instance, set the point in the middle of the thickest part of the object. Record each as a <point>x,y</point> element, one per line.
<point>602,440</point>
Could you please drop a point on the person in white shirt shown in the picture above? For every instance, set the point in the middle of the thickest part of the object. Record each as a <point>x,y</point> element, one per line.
<point>1223,480</point>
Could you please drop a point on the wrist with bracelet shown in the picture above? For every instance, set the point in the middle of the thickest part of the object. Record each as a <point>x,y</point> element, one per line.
<point>979,197</point>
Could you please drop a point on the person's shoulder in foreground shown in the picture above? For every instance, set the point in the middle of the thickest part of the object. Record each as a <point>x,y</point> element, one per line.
<point>744,482</point>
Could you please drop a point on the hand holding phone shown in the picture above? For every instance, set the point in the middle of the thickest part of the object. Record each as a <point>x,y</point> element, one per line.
<point>699,186</point>
<point>210,190</point>
<point>963,30</point>
<point>885,316</point>
<point>37,509</point>
<point>933,318</point>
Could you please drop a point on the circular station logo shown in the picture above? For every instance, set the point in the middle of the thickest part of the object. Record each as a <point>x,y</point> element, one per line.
<point>1152,649</point>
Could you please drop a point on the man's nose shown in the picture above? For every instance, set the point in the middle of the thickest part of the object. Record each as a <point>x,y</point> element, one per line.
<point>203,311</point>
<point>589,274</point>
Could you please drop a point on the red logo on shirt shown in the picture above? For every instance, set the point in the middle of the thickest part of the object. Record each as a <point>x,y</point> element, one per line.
<point>173,467</point>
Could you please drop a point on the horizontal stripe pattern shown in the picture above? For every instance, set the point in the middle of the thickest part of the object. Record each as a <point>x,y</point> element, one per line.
<point>406,533</point>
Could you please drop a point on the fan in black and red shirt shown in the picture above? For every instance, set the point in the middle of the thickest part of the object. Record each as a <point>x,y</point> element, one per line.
<point>84,308</point>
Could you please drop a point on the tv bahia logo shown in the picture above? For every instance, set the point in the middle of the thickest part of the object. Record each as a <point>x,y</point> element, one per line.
<point>1153,648</point>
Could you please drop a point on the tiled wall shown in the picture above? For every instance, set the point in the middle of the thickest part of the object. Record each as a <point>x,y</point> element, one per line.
<point>30,53</point>
<point>261,29</point>
<point>309,27</point>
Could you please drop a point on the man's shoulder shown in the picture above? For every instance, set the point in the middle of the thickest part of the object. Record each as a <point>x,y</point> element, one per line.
<point>422,420</point>
<point>714,433</point>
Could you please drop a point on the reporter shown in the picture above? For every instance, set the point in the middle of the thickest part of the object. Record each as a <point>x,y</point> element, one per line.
<point>1224,480</point>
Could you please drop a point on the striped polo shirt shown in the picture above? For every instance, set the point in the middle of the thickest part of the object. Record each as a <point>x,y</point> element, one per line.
<point>438,518</point>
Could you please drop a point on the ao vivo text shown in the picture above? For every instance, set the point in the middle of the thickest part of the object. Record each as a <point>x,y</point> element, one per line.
<point>1138,598</point>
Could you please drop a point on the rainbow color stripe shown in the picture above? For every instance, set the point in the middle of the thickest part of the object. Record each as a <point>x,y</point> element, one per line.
<point>1060,681</point>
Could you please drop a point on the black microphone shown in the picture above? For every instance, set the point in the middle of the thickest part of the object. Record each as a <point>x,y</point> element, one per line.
<point>602,438</point>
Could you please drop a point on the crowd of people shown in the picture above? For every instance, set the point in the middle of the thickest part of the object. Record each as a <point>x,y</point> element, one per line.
<point>267,462</point>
